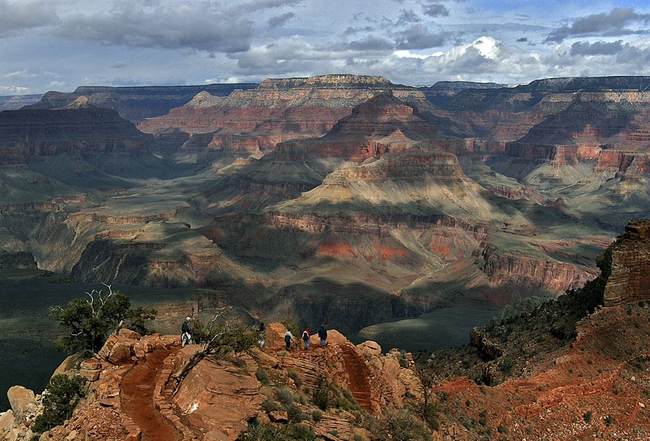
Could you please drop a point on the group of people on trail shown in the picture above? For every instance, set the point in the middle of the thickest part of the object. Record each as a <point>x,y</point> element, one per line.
<point>187,330</point>
<point>306,338</point>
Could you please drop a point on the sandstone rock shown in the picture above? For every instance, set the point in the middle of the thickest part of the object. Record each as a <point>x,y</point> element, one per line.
<point>626,266</point>
<point>22,400</point>
<point>7,421</point>
<point>279,416</point>
<point>370,348</point>
<point>127,333</point>
<point>121,352</point>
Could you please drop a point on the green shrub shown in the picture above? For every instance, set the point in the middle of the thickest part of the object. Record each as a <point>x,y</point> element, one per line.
<point>60,398</point>
<point>262,376</point>
<point>317,415</point>
<point>271,432</point>
<point>270,406</point>
<point>505,366</point>
<point>608,420</point>
<point>587,417</point>
<point>295,414</point>
<point>322,395</point>
<point>89,321</point>
<point>285,396</point>
<point>401,426</point>
<point>295,377</point>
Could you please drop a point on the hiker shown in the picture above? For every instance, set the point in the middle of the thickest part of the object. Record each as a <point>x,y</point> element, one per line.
<point>186,332</point>
<point>288,339</point>
<point>305,338</point>
<point>322,334</point>
<point>260,335</point>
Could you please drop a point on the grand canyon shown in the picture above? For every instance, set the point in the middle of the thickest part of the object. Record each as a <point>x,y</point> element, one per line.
<point>399,215</point>
<point>302,220</point>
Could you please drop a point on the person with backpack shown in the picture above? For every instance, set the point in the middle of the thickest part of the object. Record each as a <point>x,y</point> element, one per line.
<point>306,334</point>
<point>288,339</point>
<point>322,334</point>
<point>186,332</point>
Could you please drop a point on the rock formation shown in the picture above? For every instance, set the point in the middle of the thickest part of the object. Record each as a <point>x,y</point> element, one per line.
<point>33,133</point>
<point>626,266</point>
<point>138,102</point>
<point>135,391</point>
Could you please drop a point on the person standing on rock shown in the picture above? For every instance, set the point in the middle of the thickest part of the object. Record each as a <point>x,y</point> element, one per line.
<point>288,339</point>
<point>186,332</point>
<point>306,334</point>
<point>322,334</point>
<point>260,335</point>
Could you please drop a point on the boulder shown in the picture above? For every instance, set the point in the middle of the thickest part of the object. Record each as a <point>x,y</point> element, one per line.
<point>7,421</point>
<point>370,348</point>
<point>22,400</point>
<point>121,352</point>
<point>127,333</point>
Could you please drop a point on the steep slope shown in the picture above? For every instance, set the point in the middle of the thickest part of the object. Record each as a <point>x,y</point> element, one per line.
<point>79,129</point>
<point>567,369</point>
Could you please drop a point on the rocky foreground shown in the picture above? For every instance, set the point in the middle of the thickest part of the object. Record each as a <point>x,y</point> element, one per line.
<point>576,368</point>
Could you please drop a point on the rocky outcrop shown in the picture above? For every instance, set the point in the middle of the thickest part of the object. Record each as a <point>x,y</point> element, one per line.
<point>524,271</point>
<point>136,103</point>
<point>32,133</point>
<point>143,395</point>
<point>626,266</point>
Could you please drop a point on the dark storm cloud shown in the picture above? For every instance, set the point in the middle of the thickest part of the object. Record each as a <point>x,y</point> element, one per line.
<point>280,20</point>
<point>613,22</point>
<point>370,44</point>
<point>522,40</point>
<point>582,48</point>
<point>407,16</point>
<point>435,10</point>
<point>419,37</point>
<point>353,30</point>
<point>259,5</point>
<point>16,17</point>
<point>158,25</point>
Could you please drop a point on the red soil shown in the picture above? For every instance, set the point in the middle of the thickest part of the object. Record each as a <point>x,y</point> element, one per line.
<point>340,249</point>
<point>137,391</point>
<point>358,375</point>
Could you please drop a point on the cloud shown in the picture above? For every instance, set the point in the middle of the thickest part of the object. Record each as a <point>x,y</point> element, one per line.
<point>407,16</point>
<point>163,24</point>
<point>435,10</point>
<point>260,5</point>
<point>16,17</point>
<point>584,48</point>
<point>610,23</point>
<point>370,44</point>
<point>353,30</point>
<point>419,37</point>
<point>280,20</point>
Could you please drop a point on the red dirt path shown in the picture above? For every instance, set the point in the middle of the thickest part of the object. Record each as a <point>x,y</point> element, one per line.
<point>358,375</point>
<point>136,394</point>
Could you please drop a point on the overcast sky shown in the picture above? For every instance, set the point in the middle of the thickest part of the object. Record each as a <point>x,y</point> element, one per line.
<point>60,44</point>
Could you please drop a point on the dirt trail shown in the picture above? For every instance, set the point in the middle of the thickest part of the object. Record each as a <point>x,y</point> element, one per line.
<point>136,394</point>
<point>358,375</point>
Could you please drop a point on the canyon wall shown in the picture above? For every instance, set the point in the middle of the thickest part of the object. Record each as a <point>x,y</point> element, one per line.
<point>626,266</point>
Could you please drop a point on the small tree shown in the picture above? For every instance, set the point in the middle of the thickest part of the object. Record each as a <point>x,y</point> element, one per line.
<point>89,321</point>
<point>219,337</point>
<point>428,410</point>
<point>59,401</point>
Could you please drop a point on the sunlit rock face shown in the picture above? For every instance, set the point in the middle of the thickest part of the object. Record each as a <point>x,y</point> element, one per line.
<point>626,266</point>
